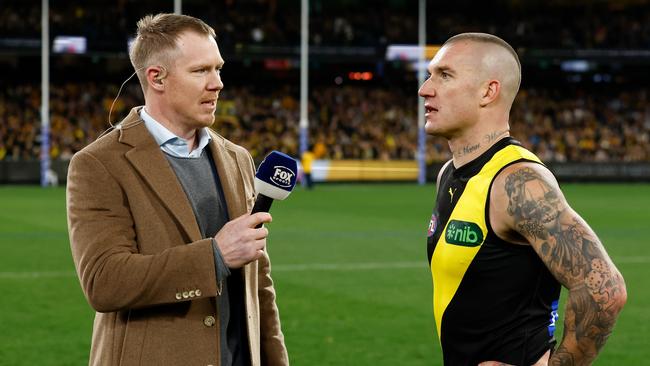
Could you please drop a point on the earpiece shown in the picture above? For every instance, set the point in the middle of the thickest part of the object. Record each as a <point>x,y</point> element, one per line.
<point>161,75</point>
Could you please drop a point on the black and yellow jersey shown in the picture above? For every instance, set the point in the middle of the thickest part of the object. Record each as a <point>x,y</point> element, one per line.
<point>492,300</point>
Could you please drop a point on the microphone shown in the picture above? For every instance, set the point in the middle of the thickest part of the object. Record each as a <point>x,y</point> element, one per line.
<point>274,180</point>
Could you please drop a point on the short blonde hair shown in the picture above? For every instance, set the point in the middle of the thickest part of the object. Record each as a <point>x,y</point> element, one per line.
<point>156,39</point>
<point>490,38</point>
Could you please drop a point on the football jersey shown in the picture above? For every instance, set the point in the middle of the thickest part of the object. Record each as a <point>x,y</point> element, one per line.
<point>492,300</point>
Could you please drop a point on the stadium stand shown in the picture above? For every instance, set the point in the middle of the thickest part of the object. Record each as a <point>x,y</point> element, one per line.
<point>604,24</point>
<point>351,122</point>
<point>598,113</point>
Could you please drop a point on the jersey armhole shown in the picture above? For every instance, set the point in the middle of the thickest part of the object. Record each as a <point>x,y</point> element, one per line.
<point>488,224</point>
<point>445,166</point>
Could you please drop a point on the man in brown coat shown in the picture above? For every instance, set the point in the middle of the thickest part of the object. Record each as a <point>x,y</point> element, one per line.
<point>158,213</point>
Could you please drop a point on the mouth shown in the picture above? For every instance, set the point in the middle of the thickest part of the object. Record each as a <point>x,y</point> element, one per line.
<point>429,109</point>
<point>211,103</point>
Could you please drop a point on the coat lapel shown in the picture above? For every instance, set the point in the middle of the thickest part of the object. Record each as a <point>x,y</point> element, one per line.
<point>234,189</point>
<point>230,176</point>
<point>147,158</point>
<point>233,185</point>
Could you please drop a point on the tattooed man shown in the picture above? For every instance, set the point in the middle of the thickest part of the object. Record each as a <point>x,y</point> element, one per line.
<point>502,239</point>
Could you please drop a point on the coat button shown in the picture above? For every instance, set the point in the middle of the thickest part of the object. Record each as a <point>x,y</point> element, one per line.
<point>198,292</point>
<point>192,293</point>
<point>178,296</point>
<point>209,321</point>
<point>186,294</point>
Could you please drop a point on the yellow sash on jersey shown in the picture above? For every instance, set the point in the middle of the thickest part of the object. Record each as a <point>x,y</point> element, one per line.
<point>450,261</point>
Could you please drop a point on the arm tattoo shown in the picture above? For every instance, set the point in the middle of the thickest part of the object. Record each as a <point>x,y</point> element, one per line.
<point>562,357</point>
<point>575,257</point>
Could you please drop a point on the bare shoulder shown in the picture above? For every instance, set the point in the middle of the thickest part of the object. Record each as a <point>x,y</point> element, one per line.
<point>523,190</point>
<point>527,177</point>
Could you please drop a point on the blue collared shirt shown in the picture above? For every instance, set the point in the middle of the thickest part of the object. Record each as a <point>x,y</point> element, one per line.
<point>172,144</point>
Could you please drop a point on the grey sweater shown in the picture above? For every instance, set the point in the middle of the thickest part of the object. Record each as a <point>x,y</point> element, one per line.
<point>200,180</point>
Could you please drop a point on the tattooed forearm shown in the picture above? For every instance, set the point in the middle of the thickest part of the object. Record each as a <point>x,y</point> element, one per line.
<point>574,255</point>
<point>590,325</point>
<point>561,357</point>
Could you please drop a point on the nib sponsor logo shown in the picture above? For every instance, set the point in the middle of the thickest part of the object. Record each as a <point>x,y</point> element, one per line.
<point>467,234</point>
<point>282,176</point>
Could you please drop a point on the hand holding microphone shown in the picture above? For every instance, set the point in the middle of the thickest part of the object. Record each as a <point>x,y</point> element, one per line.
<point>243,239</point>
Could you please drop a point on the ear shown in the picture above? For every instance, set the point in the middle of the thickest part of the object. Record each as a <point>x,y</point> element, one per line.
<point>155,76</point>
<point>490,91</point>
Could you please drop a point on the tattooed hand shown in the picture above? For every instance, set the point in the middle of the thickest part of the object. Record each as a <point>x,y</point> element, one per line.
<point>534,207</point>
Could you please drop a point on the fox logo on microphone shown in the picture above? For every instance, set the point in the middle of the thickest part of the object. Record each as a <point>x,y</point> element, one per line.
<point>274,180</point>
<point>276,175</point>
<point>282,176</point>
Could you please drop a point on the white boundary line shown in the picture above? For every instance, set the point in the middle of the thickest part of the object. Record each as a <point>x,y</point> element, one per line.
<point>302,268</point>
<point>346,266</point>
<point>393,265</point>
<point>43,274</point>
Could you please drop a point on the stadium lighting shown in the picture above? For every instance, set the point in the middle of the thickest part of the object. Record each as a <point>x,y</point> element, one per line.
<point>575,66</point>
<point>361,76</point>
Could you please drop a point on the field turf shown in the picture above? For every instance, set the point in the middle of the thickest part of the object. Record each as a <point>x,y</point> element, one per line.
<point>349,263</point>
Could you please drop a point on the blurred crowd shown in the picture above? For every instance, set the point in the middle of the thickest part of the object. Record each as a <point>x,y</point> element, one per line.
<point>346,122</point>
<point>108,24</point>
<point>78,114</point>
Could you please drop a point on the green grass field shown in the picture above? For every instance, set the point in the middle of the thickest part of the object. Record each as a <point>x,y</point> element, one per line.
<point>349,263</point>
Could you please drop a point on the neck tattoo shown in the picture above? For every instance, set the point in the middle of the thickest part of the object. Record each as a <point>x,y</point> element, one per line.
<point>494,136</point>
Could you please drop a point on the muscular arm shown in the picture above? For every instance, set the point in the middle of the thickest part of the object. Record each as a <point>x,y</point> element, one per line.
<point>532,205</point>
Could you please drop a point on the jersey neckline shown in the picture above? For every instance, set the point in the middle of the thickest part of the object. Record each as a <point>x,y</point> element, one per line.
<point>473,167</point>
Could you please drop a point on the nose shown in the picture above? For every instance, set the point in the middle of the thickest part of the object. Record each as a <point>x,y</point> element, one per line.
<point>215,82</point>
<point>426,89</point>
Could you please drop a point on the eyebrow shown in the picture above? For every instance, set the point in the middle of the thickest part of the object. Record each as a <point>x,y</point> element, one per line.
<point>443,68</point>
<point>207,65</point>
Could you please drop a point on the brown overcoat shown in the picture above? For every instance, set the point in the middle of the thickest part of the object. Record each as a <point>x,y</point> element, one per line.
<point>141,260</point>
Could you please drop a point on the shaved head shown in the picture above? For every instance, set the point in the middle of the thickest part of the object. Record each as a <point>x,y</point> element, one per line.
<point>497,60</point>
